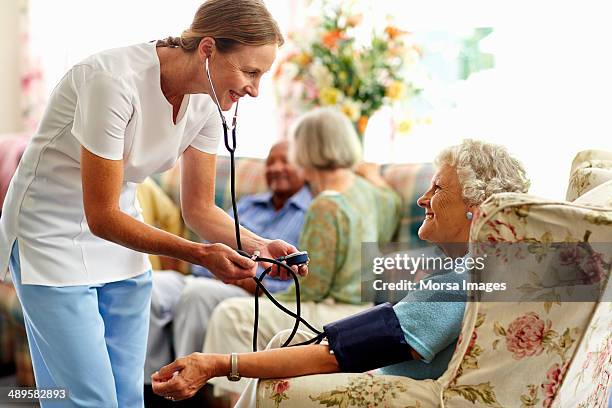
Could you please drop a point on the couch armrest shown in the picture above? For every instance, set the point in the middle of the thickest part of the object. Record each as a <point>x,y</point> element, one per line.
<point>343,390</point>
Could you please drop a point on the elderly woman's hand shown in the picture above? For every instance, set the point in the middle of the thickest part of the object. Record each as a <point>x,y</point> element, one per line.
<point>182,378</point>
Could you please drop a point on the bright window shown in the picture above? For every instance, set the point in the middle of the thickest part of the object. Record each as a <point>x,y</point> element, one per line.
<point>546,99</point>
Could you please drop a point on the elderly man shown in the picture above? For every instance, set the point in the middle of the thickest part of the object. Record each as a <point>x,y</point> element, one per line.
<point>181,306</point>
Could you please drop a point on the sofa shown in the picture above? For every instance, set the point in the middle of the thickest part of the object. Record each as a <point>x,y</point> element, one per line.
<point>409,180</point>
<point>537,350</point>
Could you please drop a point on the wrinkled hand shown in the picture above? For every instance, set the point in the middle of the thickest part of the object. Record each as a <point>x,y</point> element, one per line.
<point>225,263</point>
<point>275,249</point>
<point>183,378</point>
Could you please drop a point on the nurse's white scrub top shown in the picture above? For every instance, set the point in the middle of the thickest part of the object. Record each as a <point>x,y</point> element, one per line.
<point>112,104</point>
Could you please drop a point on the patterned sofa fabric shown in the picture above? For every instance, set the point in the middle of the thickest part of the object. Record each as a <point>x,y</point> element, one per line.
<point>347,391</point>
<point>590,168</point>
<point>250,179</point>
<point>600,196</point>
<point>544,345</point>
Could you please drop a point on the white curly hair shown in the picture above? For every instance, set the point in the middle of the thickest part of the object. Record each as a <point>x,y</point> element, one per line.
<point>484,169</point>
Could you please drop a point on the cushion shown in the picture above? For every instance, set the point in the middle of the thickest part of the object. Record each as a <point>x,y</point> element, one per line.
<point>590,169</point>
<point>600,196</point>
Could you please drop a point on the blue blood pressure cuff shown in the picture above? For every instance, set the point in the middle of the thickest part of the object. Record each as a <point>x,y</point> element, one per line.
<point>368,340</point>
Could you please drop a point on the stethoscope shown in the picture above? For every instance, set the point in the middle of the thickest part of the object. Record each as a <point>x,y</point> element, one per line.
<point>299,258</point>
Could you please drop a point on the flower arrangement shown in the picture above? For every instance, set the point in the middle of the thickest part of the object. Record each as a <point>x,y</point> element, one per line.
<point>329,66</point>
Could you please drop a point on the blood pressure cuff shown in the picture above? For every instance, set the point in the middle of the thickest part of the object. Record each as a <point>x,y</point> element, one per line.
<point>368,340</point>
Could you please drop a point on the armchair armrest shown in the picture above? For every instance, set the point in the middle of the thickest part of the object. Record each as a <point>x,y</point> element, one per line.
<point>347,389</point>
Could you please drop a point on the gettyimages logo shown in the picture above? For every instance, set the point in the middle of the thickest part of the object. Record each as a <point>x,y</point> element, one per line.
<point>497,272</point>
<point>411,264</point>
<point>420,266</point>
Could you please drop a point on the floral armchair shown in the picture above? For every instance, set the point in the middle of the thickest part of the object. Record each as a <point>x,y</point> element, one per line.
<point>530,351</point>
<point>590,169</point>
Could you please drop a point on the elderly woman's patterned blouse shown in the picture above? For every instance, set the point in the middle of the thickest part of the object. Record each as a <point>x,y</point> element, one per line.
<point>335,226</point>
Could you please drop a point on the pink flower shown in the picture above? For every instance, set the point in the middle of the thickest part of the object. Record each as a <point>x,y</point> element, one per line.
<point>311,90</point>
<point>525,334</point>
<point>604,356</point>
<point>570,256</point>
<point>593,270</point>
<point>472,342</point>
<point>554,376</point>
<point>281,386</point>
<point>29,78</point>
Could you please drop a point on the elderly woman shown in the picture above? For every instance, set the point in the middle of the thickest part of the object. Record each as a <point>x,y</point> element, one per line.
<point>347,210</point>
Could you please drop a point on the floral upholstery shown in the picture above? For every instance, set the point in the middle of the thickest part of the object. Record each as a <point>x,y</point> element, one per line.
<point>543,345</point>
<point>598,196</point>
<point>590,168</point>
<point>348,390</point>
<point>511,353</point>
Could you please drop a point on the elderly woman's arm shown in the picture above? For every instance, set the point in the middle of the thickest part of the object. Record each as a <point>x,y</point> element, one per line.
<point>182,378</point>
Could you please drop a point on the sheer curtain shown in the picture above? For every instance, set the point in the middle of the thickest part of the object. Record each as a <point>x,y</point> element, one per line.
<point>548,96</point>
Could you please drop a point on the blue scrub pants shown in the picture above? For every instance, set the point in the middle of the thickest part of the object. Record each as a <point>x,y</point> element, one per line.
<point>90,340</point>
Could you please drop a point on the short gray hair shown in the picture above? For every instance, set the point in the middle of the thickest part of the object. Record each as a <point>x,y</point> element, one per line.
<point>325,139</point>
<point>484,169</point>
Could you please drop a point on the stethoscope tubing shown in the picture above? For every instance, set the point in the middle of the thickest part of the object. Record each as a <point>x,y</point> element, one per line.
<point>231,148</point>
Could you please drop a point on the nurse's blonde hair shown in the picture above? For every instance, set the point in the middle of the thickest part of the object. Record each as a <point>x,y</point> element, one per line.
<point>230,23</point>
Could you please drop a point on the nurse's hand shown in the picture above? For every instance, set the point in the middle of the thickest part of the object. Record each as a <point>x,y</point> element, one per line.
<point>275,249</point>
<point>225,263</point>
<point>182,378</point>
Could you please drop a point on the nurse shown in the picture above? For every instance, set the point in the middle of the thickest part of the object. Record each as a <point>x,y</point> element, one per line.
<point>71,229</point>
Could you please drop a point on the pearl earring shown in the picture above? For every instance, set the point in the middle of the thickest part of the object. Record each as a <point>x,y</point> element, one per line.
<point>469,215</point>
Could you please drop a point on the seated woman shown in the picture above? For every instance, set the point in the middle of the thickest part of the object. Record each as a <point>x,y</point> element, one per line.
<point>423,333</point>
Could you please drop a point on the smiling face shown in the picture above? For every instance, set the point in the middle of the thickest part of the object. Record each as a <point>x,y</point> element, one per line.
<point>445,210</point>
<point>237,73</point>
<point>283,178</point>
